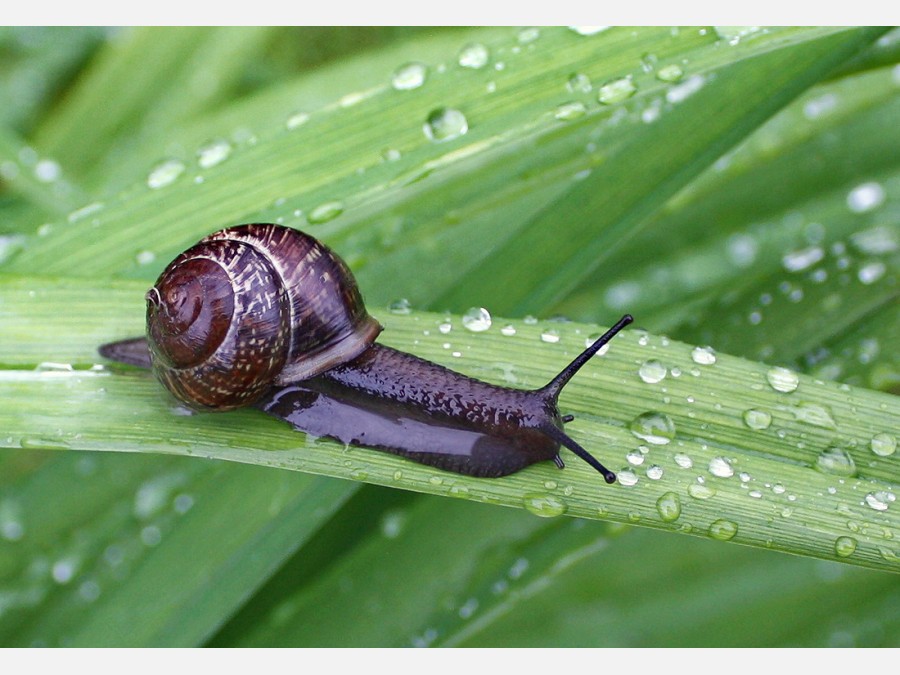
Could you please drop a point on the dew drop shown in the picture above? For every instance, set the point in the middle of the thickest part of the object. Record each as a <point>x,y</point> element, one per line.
<point>655,472</point>
<point>844,547</point>
<point>616,91</point>
<point>883,444</point>
<point>670,73</point>
<point>544,505</point>
<point>721,467</point>
<point>685,89</point>
<point>570,111</point>
<point>474,56</point>
<point>47,171</point>
<point>297,119</point>
<point>409,76</point>
<point>801,259</point>
<point>865,197</point>
<point>145,257</point>
<point>64,569</point>
<point>588,30</point>
<point>12,527</point>
<point>683,460</point>
<point>652,371</point>
<point>445,124</point>
<point>579,83</point>
<point>550,335</point>
<point>151,535</point>
<point>654,427</point>
<point>165,173</point>
<point>627,477</point>
<point>214,152</point>
<point>701,491</point>
<point>880,499</point>
<point>591,339</point>
<point>508,330</point>
<point>325,212</point>
<point>669,507</point>
<point>476,319</point>
<point>782,379</point>
<point>815,414</point>
<point>704,356</point>
<point>723,530</point>
<point>635,457</point>
<point>757,419</point>
<point>400,306</point>
<point>871,272</point>
<point>527,35</point>
<point>836,461</point>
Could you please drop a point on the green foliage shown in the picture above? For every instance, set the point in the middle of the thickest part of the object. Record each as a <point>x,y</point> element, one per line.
<point>727,187</point>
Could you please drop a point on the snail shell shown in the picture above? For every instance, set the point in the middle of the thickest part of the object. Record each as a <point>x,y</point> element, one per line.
<point>249,307</point>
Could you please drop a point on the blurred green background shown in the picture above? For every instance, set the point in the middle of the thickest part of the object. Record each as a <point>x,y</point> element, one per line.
<point>733,187</point>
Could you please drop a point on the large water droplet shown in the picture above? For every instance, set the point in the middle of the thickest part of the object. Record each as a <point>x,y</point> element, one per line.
<point>616,91</point>
<point>214,152</point>
<point>654,427</point>
<point>871,272</point>
<point>655,472</point>
<point>880,499</point>
<point>883,445</point>
<point>165,173</point>
<point>782,379</point>
<point>865,197</point>
<point>721,467</point>
<point>627,477</point>
<point>705,356</point>
<point>669,507</point>
<point>844,547</point>
<point>325,212</point>
<point>652,371</point>
<point>683,460</point>
<point>723,530</point>
<point>670,73</point>
<point>12,526</point>
<point>701,491</point>
<point>544,505</point>
<point>591,339</point>
<point>799,260</point>
<point>588,30</point>
<point>400,306</point>
<point>474,56</point>
<point>757,419</point>
<point>550,335</point>
<point>686,89</point>
<point>47,170</point>
<point>297,119</point>
<point>527,35</point>
<point>409,76</point>
<point>445,124</point>
<point>836,461</point>
<point>477,319</point>
<point>570,111</point>
<point>578,83</point>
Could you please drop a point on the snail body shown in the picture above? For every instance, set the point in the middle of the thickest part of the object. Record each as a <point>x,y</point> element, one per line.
<point>266,315</point>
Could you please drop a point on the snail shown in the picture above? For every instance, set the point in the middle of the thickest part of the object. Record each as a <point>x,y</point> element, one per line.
<point>265,315</point>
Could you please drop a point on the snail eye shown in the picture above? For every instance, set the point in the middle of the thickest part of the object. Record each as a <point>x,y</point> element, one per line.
<point>190,311</point>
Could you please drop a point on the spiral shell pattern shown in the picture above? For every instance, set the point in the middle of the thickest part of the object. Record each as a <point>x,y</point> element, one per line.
<point>249,307</point>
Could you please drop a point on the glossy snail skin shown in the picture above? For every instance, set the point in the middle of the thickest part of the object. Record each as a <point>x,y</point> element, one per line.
<point>265,315</point>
